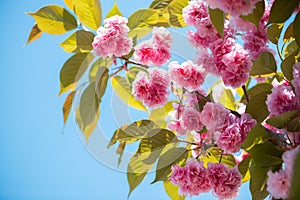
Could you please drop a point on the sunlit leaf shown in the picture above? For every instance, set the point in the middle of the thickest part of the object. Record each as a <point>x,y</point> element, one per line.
<point>69,4</point>
<point>100,62</point>
<point>68,105</point>
<point>89,12</point>
<point>258,88</point>
<point>35,34</point>
<point>217,18</point>
<point>264,64</point>
<point>213,155</point>
<point>123,90</point>
<point>282,120</point>
<point>257,13</point>
<point>158,116</point>
<point>54,19</point>
<point>274,32</point>
<point>120,151</point>
<point>257,135</point>
<point>243,168</point>
<point>172,191</point>
<point>78,42</point>
<point>292,47</point>
<point>114,11</point>
<point>132,72</point>
<point>101,82</point>
<point>281,10</point>
<point>73,69</point>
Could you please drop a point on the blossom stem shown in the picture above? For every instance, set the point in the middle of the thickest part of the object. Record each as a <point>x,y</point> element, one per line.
<point>221,157</point>
<point>127,61</point>
<point>245,93</point>
<point>192,143</point>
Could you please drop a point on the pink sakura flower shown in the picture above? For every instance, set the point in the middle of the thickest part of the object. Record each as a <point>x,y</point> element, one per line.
<point>112,39</point>
<point>187,75</point>
<point>296,80</point>
<point>191,179</point>
<point>151,89</point>
<point>177,126</point>
<point>214,116</point>
<point>193,99</point>
<point>288,158</point>
<point>238,64</point>
<point>225,182</point>
<point>234,134</point>
<point>278,184</point>
<point>234,7</point>
<point>191,119</point>
<point>206,60</point>
<point>155,51</point>
<point>281,100</point>
<point>195,12</point>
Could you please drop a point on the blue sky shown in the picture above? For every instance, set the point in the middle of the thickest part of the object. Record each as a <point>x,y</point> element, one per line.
<point>37,161</point>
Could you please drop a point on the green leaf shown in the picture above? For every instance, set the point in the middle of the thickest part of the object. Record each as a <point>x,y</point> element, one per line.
<point>89,106</point>
<point>266,154</point>
<point>289,33</point>
<point>73,69</point>
<point>274,32</point>
<point>260,87</point>
<point>139,22</point>
<point>217,18</point>
<point>174,9</point>
<point>171,157</point>
<point>69,4</point>
<point>294,125</point>
<point>120,151</point>
<point>257,14</point>
<point>282,120</point>
<point>172,191</point>
<point>227,99</point>
<point>158,116</point>
<point>154,142</point>
<point>257,106</point>
<point>89,12</point>
<point>160,4</point>
<point>296,27</point>
<point>35,34</point>
<point>114,11</point>
<point>78,42</point>
<point>123,90</point>
<point>243,168</point>
<point>264,64</point>
<point>101,82</point>
<point>68,105</point>
<point>133,132</point>
<point>258,186</point>
<point>292,47</point>
<point>54,19</point>
<point>136,172</point>
<point>295,187</point>
<point>132,72</point>
<point>100,62</point>
<point>281,10</point>
<point>257,135</point>
<point>287,65</point>
<point>213,155</point>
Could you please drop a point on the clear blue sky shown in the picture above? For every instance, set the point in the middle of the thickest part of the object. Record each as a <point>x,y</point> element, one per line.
<point>37,161</point>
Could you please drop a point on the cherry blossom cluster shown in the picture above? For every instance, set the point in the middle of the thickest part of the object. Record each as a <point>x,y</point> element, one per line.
<point>194,179</point>
<point>112,39</point>
<point>279,182</point>
<point>156,50</point>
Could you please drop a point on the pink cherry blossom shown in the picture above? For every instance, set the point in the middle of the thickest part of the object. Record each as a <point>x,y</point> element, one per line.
<point>214,116</point>
<point>191,119</point>
<point>191,179</point>
<point>278,184</point>
<point>288,158</point>
<point>195,12</point>
<point>296,80</point>
<point>234,7</point>
<point>112,39</point>
<point>177,126</point>
<point>152,89</point>
<point>281,100</point>
<point>156,50</point>
<point>225,182</point>
<point>187,75</point>
<point>206,60</point>
<point>193,99</point>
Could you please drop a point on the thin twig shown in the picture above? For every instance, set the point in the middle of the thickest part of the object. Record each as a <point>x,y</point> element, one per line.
<point>221,157</point>
<point>127,61</point>
<point>245,93</point>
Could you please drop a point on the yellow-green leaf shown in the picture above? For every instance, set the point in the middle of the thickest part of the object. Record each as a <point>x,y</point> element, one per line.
<point>243,168</point>
<point>69,4</point>
<point>288,63</point>
<point>35,34</point>
<point>264,64</point>
<point>290,48</point>
<point>282,120</point>
<point>100,62</point>
<point>122,89</point>
<point>89,12</point>
<point>54,19</point>
<point>78,42</point>
<point>257,13</point>
<point>257,135</point>
<point>217,18</point>
<point>68,105</point>
<point>73,69</point>
<point>101,82</point>
<point>114,11</point>
<point>289,33</point>
<point>158,116</point>
<point>172,191</point>
<point>274,32</point>
<point>213,155</point>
